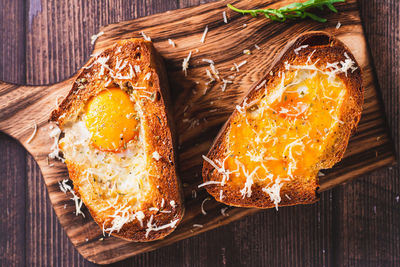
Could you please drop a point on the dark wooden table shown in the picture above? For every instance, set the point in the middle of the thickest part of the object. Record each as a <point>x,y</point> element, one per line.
<point>357,224</point>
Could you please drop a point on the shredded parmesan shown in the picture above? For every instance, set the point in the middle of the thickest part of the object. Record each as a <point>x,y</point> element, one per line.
<point>209,61</point>
<point>338,25</point>
<point>208,183</point>
<point>225,173</point>
<point>147,76</point>
<point>223,212</point>
<point>95,36</point>
<point>274,192</point>
<point>33,134</point>
<point>221,194</point>
<point>237,66</point>
<point>64,187</point>
<point>198,225</point>
<point>147,38</point>
<point>55,151</point>
<point>246,191</point>
<point>171,43</point>
<point>154,227</point>
<point>224,16</point>
<point>257,47</point>
<point>202,205</point>
<point>185,63</point>
<point>208,72</point>
<point>296,50</point>
<point>214,71</point>
<point>225,82</point>
<point>173,204</point>
<point>203,38</point>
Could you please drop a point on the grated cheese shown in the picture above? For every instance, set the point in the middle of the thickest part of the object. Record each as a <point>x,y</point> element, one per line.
<point>237,66</point>
<point>224,16</point>
<point>296,50</point>
<point>257,47</point>
<point>221,194</point>
<point>154,227</point>
<point>33,134</point>
<point>198,225</point>
<point>55,151</point>
<point>173,204</point>
<point>225,173</point>
<point>147,38</point>
<point>147,76</point>
<point>338,25</point>
<point>223,212</point>
<point>94,37</point>
<point>274,192</point>
<point>208,183</point>
<point>202,205</point>
<point>225,82</point>
<point>185,63</point>
<point>209,61</point>
<point>208,72</point>
<point>246,191</point>
<point>64,187</point>
<point>203,38</point>
<point>171,43</point>
<point>214,71</point>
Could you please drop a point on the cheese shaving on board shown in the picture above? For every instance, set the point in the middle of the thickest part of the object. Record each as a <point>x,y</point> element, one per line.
<point>203,38</point>
<point>147,38</point>
<point>33,134</point>
<point>172,43</point>
<point>224,17</point>
<point>185,63</point>
<point>202,205</point>
<point>154,227</point>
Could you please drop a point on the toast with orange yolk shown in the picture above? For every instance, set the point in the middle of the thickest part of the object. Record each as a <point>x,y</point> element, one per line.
<point>292,123</point>
<point>117,142</point>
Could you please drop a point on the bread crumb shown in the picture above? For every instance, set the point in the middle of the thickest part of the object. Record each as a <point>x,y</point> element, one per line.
<point>94,37</point>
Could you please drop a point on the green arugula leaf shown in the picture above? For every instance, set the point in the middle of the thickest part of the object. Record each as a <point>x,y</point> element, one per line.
<point>292,11</point>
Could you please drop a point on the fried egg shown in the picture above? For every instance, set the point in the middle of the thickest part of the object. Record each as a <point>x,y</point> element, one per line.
<point>105,144</point>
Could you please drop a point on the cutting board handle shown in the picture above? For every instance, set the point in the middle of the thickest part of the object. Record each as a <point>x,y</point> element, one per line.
<point>23,106</point>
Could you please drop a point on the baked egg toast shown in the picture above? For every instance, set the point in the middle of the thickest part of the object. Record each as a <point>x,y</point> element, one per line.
<point>117,142</point>
<point>294,122</point>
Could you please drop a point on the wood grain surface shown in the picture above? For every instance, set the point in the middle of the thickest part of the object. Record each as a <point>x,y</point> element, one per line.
<point>346,216</point>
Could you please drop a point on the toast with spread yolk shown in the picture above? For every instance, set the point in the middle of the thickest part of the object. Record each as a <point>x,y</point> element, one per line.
<point>292,123</point>
<point>117,141</point>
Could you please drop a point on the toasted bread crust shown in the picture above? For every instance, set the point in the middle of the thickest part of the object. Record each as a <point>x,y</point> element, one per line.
<point>325,48</point>
<point>156,121</point>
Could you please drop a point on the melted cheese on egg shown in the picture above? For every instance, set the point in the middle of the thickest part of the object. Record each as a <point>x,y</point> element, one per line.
<point>105,145</point>
<point>283,135</point>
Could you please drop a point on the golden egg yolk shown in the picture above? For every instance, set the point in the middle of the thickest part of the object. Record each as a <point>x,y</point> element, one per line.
<point>111,119</point>
<point>287,137</point>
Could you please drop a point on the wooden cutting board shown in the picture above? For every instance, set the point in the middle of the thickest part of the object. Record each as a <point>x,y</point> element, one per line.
<point>199,111</point>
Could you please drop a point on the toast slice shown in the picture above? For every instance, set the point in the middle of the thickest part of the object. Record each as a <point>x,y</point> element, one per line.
<point>117,141</point>
<point>292,123</point>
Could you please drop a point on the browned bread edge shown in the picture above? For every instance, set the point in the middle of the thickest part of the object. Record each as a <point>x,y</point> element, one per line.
<point>327,49</point>
<point>160,118</point>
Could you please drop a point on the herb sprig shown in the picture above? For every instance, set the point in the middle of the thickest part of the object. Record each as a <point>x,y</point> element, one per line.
<point>292,11</point>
